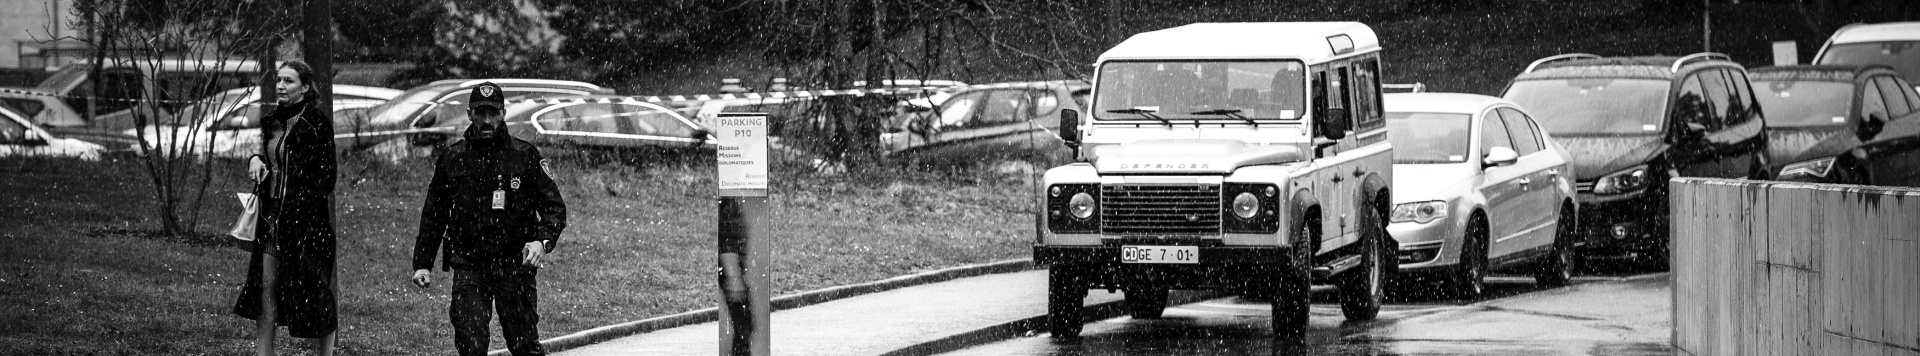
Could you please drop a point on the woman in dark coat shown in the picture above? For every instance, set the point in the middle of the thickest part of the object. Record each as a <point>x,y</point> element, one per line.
<point>294,180</point>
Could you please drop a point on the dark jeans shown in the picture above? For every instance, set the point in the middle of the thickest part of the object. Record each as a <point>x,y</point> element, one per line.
<point>476,293</point>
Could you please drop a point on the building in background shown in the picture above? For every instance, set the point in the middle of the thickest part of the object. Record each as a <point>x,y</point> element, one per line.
<point>29,29</point>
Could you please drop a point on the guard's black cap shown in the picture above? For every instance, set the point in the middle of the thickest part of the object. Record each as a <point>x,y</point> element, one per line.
<point>487,94</point>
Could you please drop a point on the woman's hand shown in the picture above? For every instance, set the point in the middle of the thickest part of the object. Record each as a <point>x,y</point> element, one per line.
<point>257,169</point>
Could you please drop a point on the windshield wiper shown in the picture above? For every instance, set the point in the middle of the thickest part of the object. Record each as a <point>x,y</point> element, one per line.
<point>1143,112</point>
<point>1232,113</point>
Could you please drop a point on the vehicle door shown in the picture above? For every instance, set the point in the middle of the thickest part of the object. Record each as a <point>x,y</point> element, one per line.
<point>953,114</point>
<point>1536,169</point>
<point>1692,117</point>
<point>1501,186</point>
<point>1335,187</point>
<point>1893,157</point>
<point>1744,129</point>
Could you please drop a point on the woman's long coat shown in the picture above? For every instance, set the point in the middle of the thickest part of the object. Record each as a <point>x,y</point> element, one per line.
<point>296,217</point>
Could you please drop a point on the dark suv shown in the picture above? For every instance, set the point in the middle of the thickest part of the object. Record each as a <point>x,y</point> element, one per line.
<point>1841,124</point>
<point>1633,122</point>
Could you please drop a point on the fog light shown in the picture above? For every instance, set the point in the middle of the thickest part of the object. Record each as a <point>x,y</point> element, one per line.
<point>1619,231</point>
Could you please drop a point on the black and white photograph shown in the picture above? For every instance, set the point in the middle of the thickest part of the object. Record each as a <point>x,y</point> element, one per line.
<point>964,177</point>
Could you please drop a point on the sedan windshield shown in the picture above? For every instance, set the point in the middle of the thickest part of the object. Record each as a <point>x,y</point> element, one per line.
<point>1903,56</point>
<point>1594,107</point>
<point>1207,90</point>
<point>1424,138</point>
<point>1804,103</point>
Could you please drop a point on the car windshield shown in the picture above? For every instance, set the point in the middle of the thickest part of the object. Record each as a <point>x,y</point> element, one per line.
<point>404,107</point>
<point>1269,89</point>
<point>1594,106</point>
<point>1427,138</point>
<point>1790,103</point>
<point>1903,56</point>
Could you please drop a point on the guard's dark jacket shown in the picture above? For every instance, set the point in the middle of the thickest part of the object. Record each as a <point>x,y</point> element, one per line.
<point>459,219</point>
<point>296,217</point>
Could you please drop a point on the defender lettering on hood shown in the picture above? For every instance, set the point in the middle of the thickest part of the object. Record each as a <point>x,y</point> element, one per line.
<point>1193,156</point>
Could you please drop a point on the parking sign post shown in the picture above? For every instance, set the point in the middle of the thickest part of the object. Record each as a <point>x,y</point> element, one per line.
<point>743,265</point>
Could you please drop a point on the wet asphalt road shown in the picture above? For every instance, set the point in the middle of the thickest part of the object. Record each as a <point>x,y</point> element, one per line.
<point>1606,312</point>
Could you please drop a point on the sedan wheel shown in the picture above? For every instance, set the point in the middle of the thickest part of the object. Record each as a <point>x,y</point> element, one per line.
<point>1469,276</point>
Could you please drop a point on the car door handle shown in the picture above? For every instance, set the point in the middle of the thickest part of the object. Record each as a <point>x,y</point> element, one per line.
<point>1525,181</point>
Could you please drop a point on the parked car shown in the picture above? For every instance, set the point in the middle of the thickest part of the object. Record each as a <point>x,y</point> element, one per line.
<point>1633,122</point>
<point>600,121</point>
<point>20,137</point>
<point>130,91</point>
<point>1478,186</point>
<point>1890,44</point>
<point>988,120</point>
<point>226,124</point>
<point>416,114</point>
<point>1841,124</point>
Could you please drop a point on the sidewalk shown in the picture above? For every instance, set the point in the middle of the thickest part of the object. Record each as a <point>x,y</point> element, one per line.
<point>870,324</point>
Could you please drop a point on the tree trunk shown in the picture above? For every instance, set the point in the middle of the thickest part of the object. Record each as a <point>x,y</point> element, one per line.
<point>317,44</point>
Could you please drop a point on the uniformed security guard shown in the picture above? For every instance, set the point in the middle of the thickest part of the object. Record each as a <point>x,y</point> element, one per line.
<point>492,210</point>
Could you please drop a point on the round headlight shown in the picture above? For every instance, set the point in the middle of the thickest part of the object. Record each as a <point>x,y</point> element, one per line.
<point>1246,206</point>
<point>1081,206</point>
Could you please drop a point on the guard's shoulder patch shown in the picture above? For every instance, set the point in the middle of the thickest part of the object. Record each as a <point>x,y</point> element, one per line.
<point>546,168</point>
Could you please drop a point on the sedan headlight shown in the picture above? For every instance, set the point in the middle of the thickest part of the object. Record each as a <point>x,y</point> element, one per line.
<point>1420,212</point>
<point>1815,167</point>
<point>1627,180</point>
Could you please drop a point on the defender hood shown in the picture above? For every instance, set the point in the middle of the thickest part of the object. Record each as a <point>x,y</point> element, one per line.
<point>1189,156</point>
<point>1595,156</point>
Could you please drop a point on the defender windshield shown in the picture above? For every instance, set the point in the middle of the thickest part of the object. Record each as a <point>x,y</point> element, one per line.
<point>1203,90</point>
<point>1594,106</point>
<point>1903,56</point>
<point>1425,138</point>
<point>1791,103</point>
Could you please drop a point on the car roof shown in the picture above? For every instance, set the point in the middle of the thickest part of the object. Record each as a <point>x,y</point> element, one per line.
<point>1644,67</point>
<point>1823,72</point>
<point>1461,103</point>
<point>1307,41</point>
<point>1880,32</point>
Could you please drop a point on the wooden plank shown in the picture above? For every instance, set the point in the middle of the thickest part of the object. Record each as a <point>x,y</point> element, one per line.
<point>1689,327</point>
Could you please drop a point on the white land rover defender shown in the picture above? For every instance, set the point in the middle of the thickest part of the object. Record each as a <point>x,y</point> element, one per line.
<point>1246,157</point>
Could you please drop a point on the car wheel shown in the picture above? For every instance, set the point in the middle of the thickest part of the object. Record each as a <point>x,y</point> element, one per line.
<point>1065,293</point>
<point>1290,293</point>
<point>1557,269</point>
<point>1146,302</point>
<point>1469,277</point>
<point>1361,291</point>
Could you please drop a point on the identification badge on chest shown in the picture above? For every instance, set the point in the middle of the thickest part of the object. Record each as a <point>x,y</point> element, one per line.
<point>500,197</point>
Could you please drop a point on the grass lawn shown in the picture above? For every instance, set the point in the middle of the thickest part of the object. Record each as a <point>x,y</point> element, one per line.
<point>78,276</point>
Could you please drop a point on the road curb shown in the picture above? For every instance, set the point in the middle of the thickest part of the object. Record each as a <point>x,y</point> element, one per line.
<point>1018,328</point>
<point>789,301</point>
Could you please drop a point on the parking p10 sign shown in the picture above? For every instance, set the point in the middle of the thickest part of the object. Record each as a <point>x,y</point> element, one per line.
<point>742,153</point>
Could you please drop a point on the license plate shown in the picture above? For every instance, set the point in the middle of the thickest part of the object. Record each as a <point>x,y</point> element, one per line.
<point>1159,254</point>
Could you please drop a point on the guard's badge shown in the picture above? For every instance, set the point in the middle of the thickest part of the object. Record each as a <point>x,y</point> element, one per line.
<point>545,169</point>
<point>486,91</point>
<point>515,184</point>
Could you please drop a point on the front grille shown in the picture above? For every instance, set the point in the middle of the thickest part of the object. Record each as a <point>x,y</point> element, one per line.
<point>1583,187</point>
<point>1160,209</point>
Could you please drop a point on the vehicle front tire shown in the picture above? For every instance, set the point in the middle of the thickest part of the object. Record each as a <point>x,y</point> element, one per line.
<point>1290,291</point>
<point>1363,290</point>
<point>1557,269</point>
<point>1146,302</point>
<point>1065,292</point>
<point>1468,279</point>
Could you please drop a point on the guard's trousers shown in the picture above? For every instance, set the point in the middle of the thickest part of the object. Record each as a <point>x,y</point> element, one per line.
<point>509,289</point>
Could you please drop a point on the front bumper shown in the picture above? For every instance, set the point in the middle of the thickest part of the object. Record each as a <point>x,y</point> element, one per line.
<point>1430,246</point>
<point>1209,255</point>
<point>1633,223</point>
<point>1219,267</point>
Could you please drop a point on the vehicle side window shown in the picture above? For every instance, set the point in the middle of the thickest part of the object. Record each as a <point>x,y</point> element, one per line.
<point>1897,104</point>
<point>1718,95</point>
<point>959,109</point>
<point>1043,102</point>
<point>1525,140</point>
<point>1691,106</point>
<point>12,132</point>
<point>1742,100</point>
<point>1367,94</point>
<point>239,119</point>
<point>1493,133</point>
<point>1002,106</point>
<point>643,120</point>
<point>588,118</point>
<point>1907,90</point>
<point>1871,103</point>
<point>25,107</point>
<point>1341,91</point>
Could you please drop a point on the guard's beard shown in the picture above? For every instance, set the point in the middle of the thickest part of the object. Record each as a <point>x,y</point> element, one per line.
<point>478,138</point>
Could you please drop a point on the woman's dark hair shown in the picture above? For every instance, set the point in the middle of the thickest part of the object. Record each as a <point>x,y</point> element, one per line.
<point>305,71</point>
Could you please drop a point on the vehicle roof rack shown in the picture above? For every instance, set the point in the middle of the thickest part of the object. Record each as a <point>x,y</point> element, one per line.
<point>1416,87</point>
<point>1536,64</point>
<point>1702,55</point>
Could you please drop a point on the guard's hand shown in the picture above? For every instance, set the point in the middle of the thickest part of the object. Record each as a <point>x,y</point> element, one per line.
<point>530,255</point>
<point>257,169</point>
<point>422,278</point>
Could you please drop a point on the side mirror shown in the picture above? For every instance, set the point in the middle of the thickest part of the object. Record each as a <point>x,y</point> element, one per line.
<point>1334,124</point>
<point>1070,129</point>
<point>1870,125</point>
<point>1690,132</point>
<point>1499,156</point>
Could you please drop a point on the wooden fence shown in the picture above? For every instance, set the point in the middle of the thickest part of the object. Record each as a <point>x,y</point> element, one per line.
<point>1774,268</point>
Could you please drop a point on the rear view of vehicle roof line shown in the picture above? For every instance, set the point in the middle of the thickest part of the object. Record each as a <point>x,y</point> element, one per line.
<point>1880,32</point>
<point>1463,103</point>
<point>1245,40</point>
<point>504,81</point>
